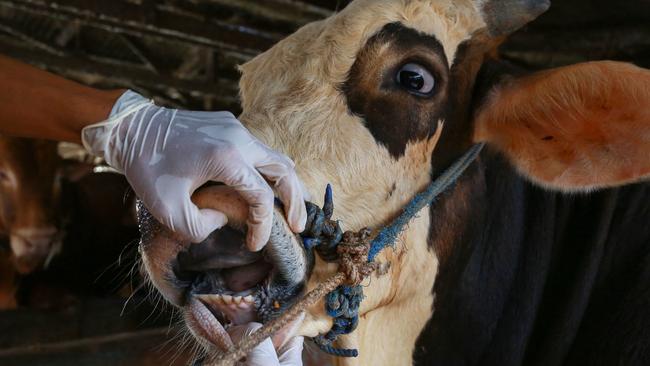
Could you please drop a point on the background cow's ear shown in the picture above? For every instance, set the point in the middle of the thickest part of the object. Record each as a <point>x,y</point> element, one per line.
<point>573,128</point>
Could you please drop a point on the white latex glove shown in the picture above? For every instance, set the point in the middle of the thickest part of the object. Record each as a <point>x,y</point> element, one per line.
<point>166,154</point>
<point>265,354</point>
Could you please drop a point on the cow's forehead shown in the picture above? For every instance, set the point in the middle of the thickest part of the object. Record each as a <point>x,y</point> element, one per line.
<point>450,21</point>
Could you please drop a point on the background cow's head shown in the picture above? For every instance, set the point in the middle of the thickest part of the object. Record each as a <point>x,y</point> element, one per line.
<point>384,95</point>
<point>29,200</point>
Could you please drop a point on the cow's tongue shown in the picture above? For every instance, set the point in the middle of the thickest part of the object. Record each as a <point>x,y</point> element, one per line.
<point>245,277</point>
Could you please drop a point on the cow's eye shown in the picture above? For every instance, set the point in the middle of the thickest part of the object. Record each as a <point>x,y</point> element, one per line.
<point>416,79</point>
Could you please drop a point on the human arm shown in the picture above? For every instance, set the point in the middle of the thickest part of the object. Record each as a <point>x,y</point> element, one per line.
<point>38,104</point>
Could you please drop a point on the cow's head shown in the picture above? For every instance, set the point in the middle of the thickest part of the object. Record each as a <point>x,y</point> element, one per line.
<point>29,191</point>
<point>375,101</point>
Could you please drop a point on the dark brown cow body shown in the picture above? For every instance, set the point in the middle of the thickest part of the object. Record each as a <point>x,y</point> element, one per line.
<point>533,277</point>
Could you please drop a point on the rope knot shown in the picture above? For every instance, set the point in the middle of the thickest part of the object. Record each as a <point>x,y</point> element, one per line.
<point>353,254</point>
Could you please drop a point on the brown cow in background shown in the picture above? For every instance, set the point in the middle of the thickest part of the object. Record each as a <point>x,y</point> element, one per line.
<point>58,216</point>
<point>29,200</point>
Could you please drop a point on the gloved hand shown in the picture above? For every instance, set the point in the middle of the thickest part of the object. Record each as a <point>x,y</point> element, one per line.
<point>166,154</point>
<point>264,354</point>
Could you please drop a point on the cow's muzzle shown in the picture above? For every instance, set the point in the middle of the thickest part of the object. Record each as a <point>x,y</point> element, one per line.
<point>218,282</point>
<point>34,248</point>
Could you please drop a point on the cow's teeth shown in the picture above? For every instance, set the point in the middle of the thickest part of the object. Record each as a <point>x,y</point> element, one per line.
<point>237,299</point>
<point>249,299</point>
<point>210,299</point>
<point>227,299</point>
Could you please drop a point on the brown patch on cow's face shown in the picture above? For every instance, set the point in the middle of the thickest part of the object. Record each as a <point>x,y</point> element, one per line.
<point>398,86</point>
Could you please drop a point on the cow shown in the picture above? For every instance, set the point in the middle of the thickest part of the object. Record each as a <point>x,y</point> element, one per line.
<point>58,220</point>
<point>30,188</point>
<point>538,255</point>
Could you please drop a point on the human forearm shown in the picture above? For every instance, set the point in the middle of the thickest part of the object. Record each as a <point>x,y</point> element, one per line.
<point>37,104</point>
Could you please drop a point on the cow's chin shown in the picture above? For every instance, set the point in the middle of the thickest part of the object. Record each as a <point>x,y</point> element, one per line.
<point>218,283</point>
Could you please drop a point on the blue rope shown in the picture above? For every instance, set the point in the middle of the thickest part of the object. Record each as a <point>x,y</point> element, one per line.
<point>388,235</point>
<point>338,352</point>
<point>343,303</point>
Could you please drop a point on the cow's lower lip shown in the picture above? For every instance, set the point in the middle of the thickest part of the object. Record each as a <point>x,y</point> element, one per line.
<point>221,309</point>
<point>213,313</point>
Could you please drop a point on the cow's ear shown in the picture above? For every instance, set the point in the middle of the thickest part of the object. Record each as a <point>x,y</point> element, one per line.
<point>573,128</point>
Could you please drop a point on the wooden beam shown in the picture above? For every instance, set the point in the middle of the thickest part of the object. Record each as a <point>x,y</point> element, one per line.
<point>543,47</point>
<point>165,23</point>
<point>296,13</point>
<point>94,71</point>
<point>333,5</point>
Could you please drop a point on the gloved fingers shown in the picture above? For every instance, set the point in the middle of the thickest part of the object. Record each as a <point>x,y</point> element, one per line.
<point>291,353</point>
<point>262,355</point>
<point>203,222</point>
<point>288,187</point>
<point>172,206</point>
<point>193,223</point>
<point>259,196</point>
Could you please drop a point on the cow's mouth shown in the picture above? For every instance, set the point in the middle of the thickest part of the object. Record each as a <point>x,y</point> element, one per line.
<point>223,283</point>
<point>236,286</point>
